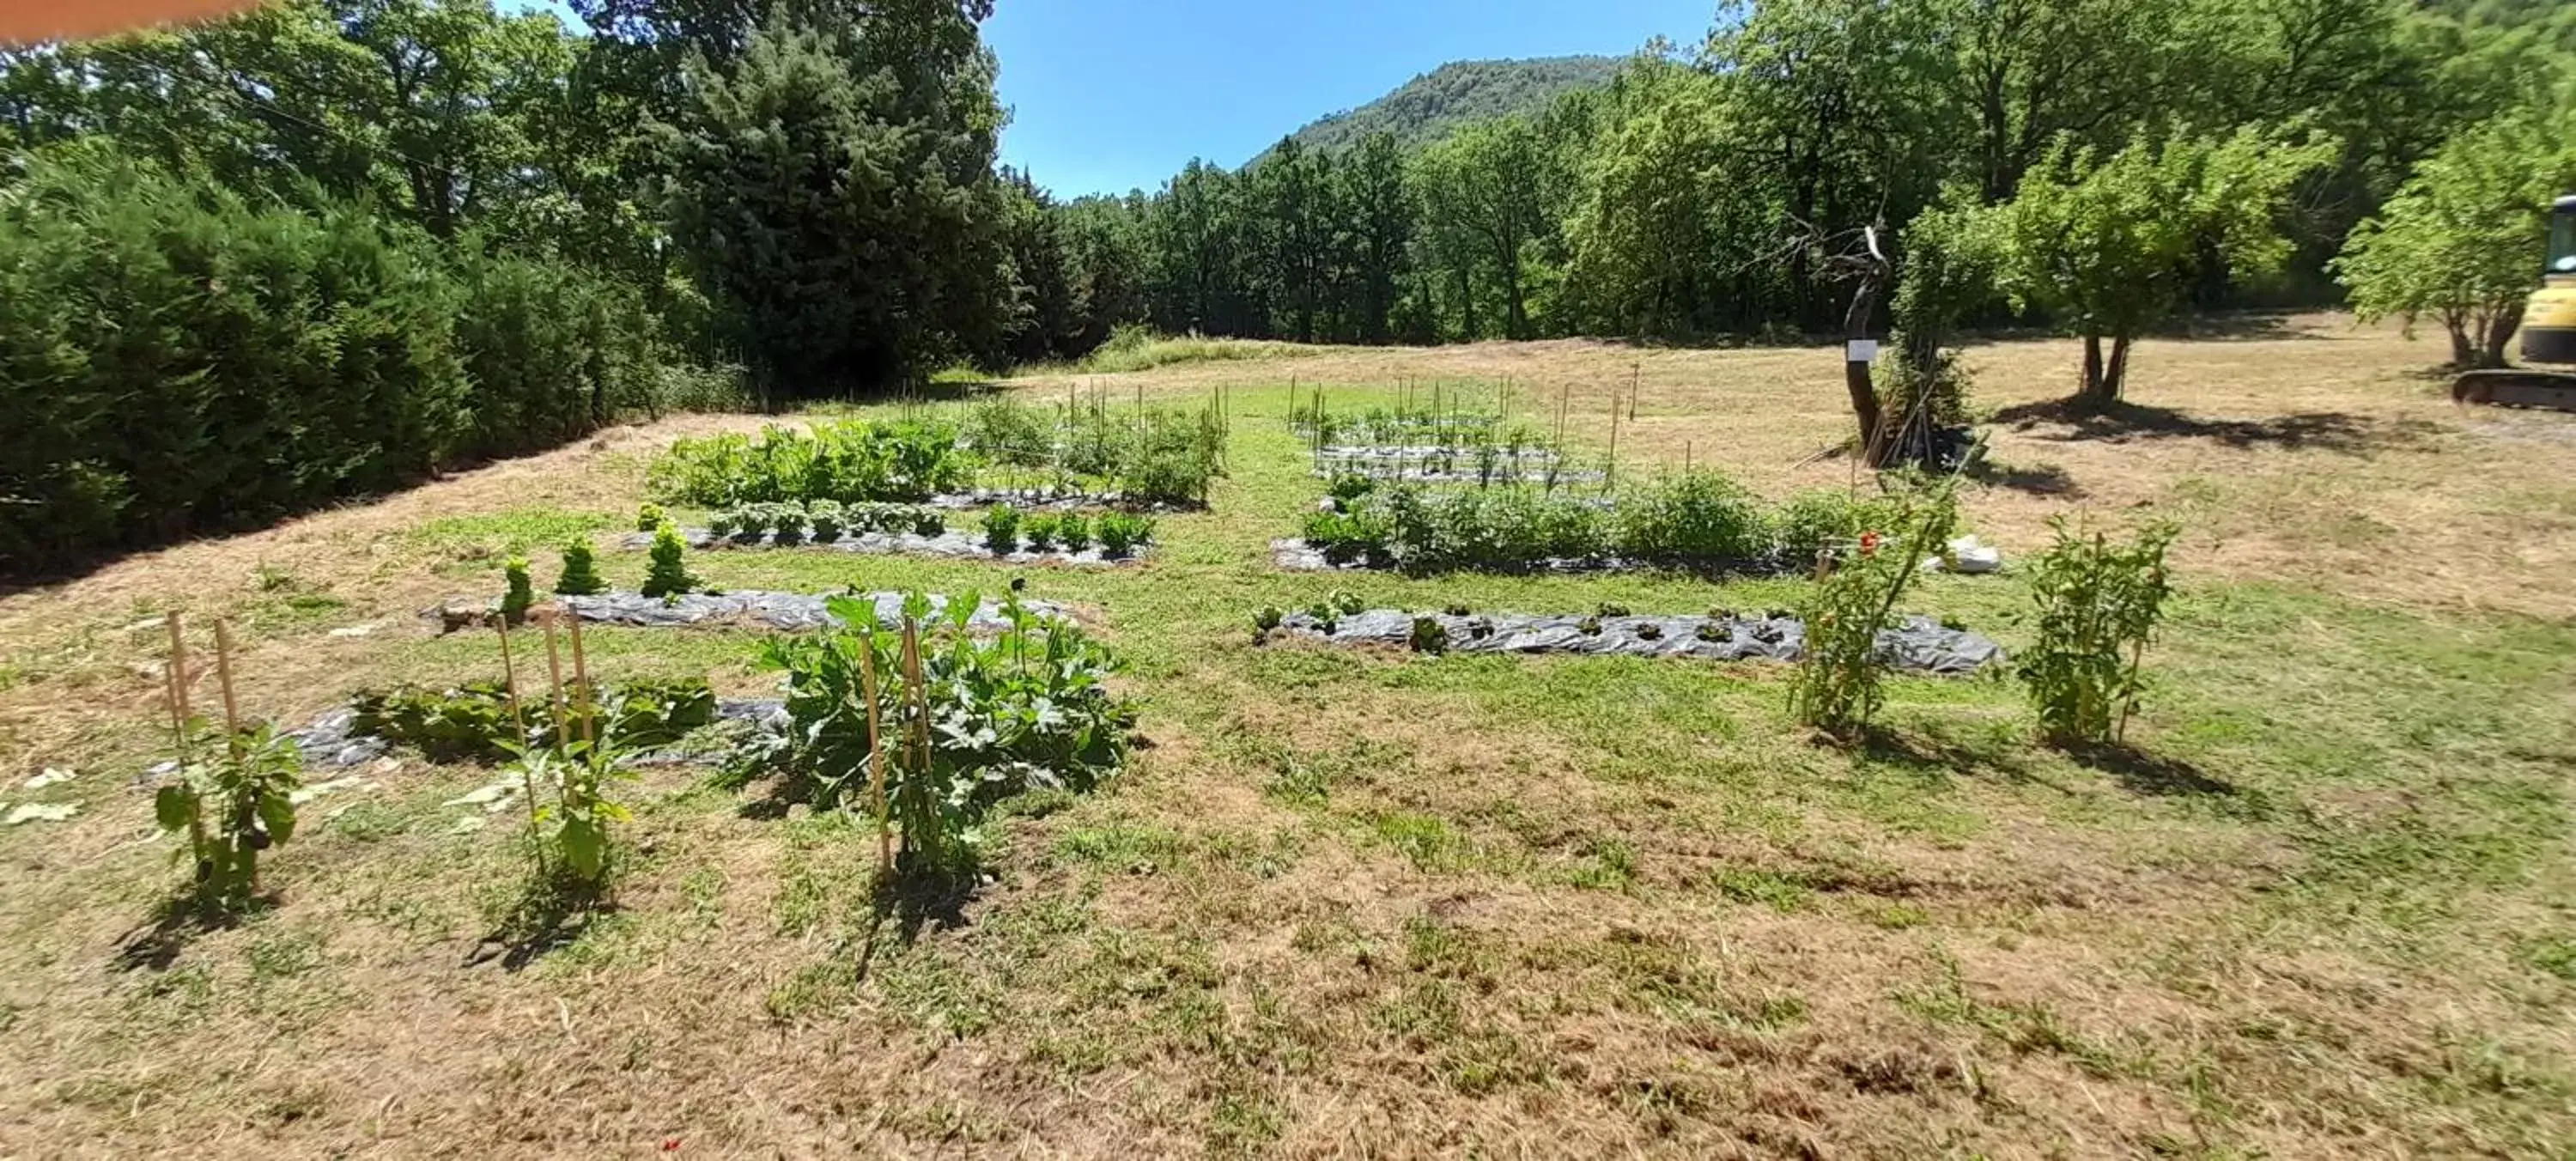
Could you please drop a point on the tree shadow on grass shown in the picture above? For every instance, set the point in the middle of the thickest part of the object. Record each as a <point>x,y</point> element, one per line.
<point>1930,753</point>
<point>2159,776</point>
<point>2043,480</point>
<point>2124,422</point>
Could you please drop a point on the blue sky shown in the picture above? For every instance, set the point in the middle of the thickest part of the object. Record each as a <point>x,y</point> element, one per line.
<point>1109,95</point>
<point>1112,95</point>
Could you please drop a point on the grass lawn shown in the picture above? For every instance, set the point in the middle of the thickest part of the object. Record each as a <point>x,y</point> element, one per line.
<point>1368,902</point>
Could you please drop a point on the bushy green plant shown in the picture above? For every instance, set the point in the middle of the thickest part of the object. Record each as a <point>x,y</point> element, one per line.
<point>473,722</point>
<point>1002,529</point>
<point>928,522</point>
<point>786,524</point>
<point>726,524</point>
<point>828,519</point>
<point>580,577</point>
<point>851,461</point>
<point>520,591</point>
<point>2098,603</point>
<point>1837,685</point>
<point>1817,521</point>
<point>1122,533</point>
<point>1699,520</point>
<point>1030,708</point>
<point>1075,530</point>
<point>668,575</point>
<point>233,798</point>
<point>1347,487</point>
<point>649,516</point>
<point>1040,530</point>
<point>1429,636</point>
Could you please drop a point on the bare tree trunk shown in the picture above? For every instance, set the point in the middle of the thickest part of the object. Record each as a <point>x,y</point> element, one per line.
<point>2090,392</point>
<point>2119,376</point>
<point>1856,378</point>
<point>2500,332</point>
<point>2464,353</point>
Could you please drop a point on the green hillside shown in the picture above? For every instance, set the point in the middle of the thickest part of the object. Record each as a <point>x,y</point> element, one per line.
<point>1429,106</point>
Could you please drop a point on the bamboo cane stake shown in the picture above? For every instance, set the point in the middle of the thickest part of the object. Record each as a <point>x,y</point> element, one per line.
<point>177,675</point>
<point>554,682</point>
<point>224,675</point>
<point>876,756</point>
<point>588,709</point>
<point>519,720</point>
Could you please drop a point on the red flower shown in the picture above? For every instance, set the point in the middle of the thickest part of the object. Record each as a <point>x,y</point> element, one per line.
<point>1868,544</point>
<point>670,1144</point>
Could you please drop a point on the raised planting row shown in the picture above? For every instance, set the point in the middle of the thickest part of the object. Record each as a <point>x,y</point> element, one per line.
<point>1484,466</point>
<point>785,612</point>
<point>1006,532</point>
<point>1140,457</point>
<point>1697,521</point>
<point>1917,644</point>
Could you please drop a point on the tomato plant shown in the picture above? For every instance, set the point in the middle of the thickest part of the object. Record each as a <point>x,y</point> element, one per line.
<point>232,805</point>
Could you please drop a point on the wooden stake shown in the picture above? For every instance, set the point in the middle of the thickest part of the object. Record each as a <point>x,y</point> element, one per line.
<point>916,705</point>
<point>510,685</point>
<point>588,709</point>
<point>876,757</point>
<point>224,674</point>
<point>178,677</point>
<point>1610,473</point>
<point>554,681</point>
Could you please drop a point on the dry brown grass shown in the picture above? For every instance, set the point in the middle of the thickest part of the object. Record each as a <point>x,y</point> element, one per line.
<point>1379,905</point>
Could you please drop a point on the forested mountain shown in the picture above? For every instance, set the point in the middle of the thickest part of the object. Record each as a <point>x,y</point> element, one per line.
<point>1430,106</point>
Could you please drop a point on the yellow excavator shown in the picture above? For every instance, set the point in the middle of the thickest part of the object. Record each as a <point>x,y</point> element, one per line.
<point>2548,334</point>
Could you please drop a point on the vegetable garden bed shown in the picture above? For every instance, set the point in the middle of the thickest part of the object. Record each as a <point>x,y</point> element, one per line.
<point>951,543</point>
<point>784,612</point>
<point>1919,644</point>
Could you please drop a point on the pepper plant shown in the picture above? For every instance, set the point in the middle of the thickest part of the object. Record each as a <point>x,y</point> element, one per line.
<point>232,805</point>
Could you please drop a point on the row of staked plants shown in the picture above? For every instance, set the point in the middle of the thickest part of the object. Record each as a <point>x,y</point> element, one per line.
<point>1698,521</point>
<point>1143,455</point>
<point>931,726</point>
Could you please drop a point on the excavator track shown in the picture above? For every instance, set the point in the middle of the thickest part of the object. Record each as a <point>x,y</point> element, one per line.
<point>2517,387</point>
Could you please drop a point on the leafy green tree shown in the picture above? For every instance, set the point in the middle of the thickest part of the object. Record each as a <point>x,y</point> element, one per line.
<point>1480,182</point>
<point>1380,214</point>
<point>2107,244</point>
<point>834,195</point>
<point>2463,241</point>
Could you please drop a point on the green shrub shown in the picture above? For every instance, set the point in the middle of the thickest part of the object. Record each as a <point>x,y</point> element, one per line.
<point>827,516</point>
<point>262,360</point>
<point>1075,530</point>
<point>2098,603</point>
<point>668,574</point>
<point>928,522</point>
<point>1700,520</point>
<point>786,524</point>
<point>649,516</point>
<point>580,577</point>
<point>851,461</point>
<point>520,593</point>
<point>1002,529</point>
<point>1122,533</point>
<point>1813,522</point>
<point>1039,530</point>
<point>726,525</point>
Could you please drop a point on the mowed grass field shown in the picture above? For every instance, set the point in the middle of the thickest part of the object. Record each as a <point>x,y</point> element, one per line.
<point>1368,903</point>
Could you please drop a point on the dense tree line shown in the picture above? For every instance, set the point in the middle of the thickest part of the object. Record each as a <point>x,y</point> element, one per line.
<point>329,246</point>
<point>1701,193</point>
